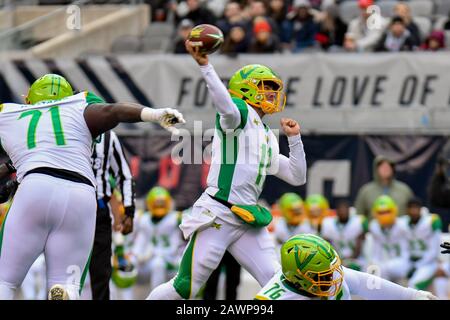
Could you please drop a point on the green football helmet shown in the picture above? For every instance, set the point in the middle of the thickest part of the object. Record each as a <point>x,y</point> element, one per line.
<point>385,210</point>
<point>259,86</point>
<point>49,87</point>
<point>311,264</point>
<point>158,202</point>
<point>124,278</point>
<point>291,206</point>
<point>124,273</point>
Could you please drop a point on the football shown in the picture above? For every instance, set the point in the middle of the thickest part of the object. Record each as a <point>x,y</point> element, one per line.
<point>208,37</point>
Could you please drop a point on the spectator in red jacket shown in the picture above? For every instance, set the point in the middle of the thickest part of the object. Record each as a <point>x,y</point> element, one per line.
<point>332,29</point>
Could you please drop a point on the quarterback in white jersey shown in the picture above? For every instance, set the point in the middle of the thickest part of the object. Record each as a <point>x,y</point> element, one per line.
<point>389,251</point>
<point>424,236</point>
<point>49,141</point>
<point>244,150</point>
<point>311,270</point>
<point>346,232</point>
<point>159,242</point>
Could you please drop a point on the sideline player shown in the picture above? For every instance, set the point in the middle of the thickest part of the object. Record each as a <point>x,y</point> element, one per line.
<point>346,232</point>
<point>317,208</point>
<point>159,244</point>
<point>49,141</point>
<point>293,220</point>
<point>244,150</point>
<point>424,235</point>
<point>389,250</point>
<point>311,269</point>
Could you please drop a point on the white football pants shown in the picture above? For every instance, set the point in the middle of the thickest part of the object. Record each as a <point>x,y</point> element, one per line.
<point>253,248</point>
<point>51,216</point>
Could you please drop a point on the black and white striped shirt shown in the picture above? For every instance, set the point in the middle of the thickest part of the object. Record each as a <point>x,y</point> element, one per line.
<point>108,159</point>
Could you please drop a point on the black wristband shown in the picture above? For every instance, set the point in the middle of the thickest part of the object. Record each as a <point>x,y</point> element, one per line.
<point>129,211</point>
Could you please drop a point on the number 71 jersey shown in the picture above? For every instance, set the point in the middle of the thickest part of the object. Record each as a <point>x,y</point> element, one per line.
<point>48,134</point>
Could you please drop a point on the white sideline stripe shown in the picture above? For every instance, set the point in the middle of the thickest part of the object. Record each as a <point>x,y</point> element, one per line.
<point>15,80</point>
<point>75,75</point>
<point>110,80</point>
<point>37,67</point>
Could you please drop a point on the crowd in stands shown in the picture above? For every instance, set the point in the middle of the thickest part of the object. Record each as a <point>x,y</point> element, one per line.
<point>271,26</point>
<point>279,26</point>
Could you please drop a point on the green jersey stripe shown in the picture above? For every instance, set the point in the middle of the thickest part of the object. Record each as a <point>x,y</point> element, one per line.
<point>229,143</point>
<point>85,270</point>
<point>183,280</point>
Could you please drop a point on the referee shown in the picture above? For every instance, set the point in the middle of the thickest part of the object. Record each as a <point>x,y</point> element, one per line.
<point>108,160</point>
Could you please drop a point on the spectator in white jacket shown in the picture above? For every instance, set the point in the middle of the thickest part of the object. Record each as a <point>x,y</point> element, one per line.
<point>367,28</point>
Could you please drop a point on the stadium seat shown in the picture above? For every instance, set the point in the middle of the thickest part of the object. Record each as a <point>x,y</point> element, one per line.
<point>348,10</point>
<point>387,7</point>
<point>126,44</point>
<point>157,37</point>
<point>423,8</point>
<point>440,22</point>
<point>447,38</point>
<point>442,7</point>
<point>424,25</point>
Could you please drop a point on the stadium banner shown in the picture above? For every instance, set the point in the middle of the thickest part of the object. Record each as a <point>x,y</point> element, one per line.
<point>338,165</point>
<point>329,93</point>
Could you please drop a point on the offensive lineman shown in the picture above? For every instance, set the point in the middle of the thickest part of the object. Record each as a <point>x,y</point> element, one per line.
<point>49,141</point>
<point>244,151</point>
<point>311,269</point>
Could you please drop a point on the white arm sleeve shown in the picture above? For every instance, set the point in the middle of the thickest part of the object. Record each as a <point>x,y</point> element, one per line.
<point>293,169</point>
<point>371,287</point>
<point>230,117</point>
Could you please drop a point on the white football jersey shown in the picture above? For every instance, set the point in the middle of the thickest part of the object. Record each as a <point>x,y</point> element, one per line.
<point>279,289</point>
<point>343,236</point>
<point>242,159</point>
<point>163,237</point>
<point>389,243</point>
<point>421,235</point>
<point>283,231</point>
<point>48,134</point>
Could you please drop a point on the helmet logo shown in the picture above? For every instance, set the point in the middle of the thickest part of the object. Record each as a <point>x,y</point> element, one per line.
<point>245,75</point>
<point>302,258</point>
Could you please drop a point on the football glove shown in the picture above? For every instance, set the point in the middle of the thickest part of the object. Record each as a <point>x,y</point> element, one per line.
<point>446,246</point>
<point>424,295</point>
<point>166,117</point>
